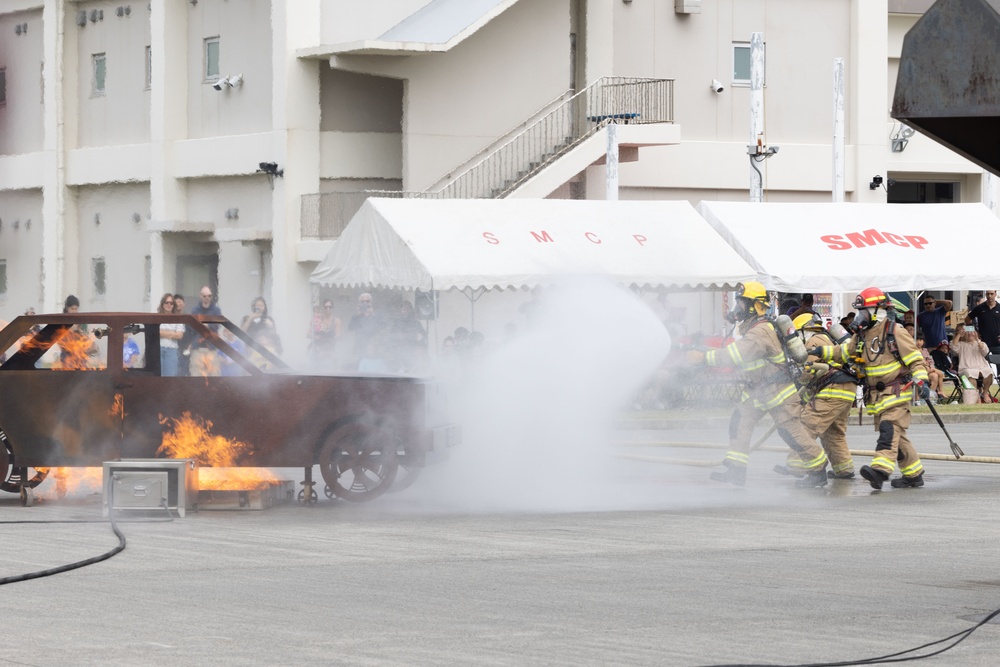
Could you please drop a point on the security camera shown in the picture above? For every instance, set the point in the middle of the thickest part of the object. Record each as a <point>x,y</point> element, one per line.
<point>236,81</point>
<point>221,83</point>
<point>717,86</point>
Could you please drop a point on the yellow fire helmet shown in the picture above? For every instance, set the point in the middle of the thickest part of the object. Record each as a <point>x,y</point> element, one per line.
<point>809,322</point>
<point>751,301</point>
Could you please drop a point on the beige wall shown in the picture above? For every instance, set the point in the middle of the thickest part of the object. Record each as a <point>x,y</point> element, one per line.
<point>121,114</point>
<point>123,243</point>
<point>351,21</point>
<point>21,247</point>
<point>245,42</point>
<point>651,40</point>
<point>21,128</point>
<point>483,88</point>
<point>353,102</point>
<point>208,199</point>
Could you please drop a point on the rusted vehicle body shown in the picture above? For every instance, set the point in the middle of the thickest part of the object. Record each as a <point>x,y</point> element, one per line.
<point>68,397</point>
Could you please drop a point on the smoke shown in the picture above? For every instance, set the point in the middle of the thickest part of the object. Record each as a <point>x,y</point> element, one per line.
<point>538,412</point>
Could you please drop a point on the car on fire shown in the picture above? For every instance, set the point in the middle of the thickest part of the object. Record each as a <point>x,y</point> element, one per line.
<point>74,393</point>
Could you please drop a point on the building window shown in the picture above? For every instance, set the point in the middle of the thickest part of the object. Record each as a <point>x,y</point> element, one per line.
<point>3,86</point>
<point>3,278</point>
<point>212,59</point>
<point>149,67</point>
<point>100,74</point>
<point>98,272</point>
<point>741,64</point>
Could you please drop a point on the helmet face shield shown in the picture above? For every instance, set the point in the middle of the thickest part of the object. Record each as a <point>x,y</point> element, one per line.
<point>740,311</point>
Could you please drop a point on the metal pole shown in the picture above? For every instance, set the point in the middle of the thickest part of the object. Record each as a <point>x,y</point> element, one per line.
<point>838,129</point>
<point>756,110</point>
<point>611,163</point>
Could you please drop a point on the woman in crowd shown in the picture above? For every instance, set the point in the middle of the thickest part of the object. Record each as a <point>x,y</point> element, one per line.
<point>323,334</point>
<point>259,326</point>
<point>972,360</point>
<point>170,336</point>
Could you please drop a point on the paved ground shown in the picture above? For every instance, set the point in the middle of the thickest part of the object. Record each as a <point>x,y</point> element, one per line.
<point>667,569</point>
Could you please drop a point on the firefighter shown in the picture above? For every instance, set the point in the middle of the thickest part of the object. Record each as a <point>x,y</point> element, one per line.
<point>831,389</point>
<point>891,364</point>
<point>770,389</point>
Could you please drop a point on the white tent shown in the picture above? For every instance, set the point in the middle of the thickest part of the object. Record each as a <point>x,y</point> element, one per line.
<point>489,243</point>
<point>827,247</point>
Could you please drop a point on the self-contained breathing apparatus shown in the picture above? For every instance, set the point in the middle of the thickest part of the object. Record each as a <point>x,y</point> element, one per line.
<point>752,303</point>
<point>819,374</point>
<point>873,306</point>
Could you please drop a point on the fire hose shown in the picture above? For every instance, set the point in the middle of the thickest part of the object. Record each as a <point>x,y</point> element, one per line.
<point>771,448</point>
<point>81,563</point>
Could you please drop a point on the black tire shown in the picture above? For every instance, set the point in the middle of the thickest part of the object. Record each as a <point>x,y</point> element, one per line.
<point>358,461</point>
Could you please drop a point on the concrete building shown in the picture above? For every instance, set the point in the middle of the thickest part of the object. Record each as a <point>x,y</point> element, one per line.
<point>157,146</point>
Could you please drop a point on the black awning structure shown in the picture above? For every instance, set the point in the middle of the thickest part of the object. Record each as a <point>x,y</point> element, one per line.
<point>948,85</point>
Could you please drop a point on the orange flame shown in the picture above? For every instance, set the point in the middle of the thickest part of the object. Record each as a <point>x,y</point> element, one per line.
<point>191,438</point>
<point>235,479</point>
<point>118,407</point>
<point>77,348</point>
<point>72,481</point>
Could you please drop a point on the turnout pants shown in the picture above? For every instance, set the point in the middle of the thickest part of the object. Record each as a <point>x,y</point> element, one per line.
<point>826,419</point>
<point>786,418</point>
<point>892,445</point>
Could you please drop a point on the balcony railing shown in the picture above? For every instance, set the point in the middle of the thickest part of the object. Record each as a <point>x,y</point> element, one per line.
<point>527,152</point>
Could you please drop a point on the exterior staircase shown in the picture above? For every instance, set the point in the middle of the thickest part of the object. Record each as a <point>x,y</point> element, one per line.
<point>522,155</point>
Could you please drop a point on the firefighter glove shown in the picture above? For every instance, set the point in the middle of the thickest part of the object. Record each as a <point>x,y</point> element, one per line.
<point>923,390</point>
<point>695,357</point>
<point>815,351</point>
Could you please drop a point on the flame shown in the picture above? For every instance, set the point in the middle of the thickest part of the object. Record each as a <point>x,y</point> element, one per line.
<point>77,348</point>
<point>235,479</point>
<point>118,407</point>
<point>72,481</point>
<point>191,438</point>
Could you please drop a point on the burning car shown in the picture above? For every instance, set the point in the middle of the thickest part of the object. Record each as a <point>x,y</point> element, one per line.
<point>73,392</point>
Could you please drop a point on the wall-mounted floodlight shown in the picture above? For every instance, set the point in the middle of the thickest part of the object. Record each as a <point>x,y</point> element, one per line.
<point>271,169</point>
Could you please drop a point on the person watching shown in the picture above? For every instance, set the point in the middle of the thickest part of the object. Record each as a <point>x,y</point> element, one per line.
<point>204,361</point>
<point>972,360</point>
<point>931,320</point>
<point>986,318</point>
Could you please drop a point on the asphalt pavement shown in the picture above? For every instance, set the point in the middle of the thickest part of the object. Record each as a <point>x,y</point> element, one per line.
<point>653,565</point>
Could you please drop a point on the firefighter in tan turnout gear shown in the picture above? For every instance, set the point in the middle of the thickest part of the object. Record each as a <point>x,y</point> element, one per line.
<point>892,367</point>
<point>770,389</point>
<point>831,389</point>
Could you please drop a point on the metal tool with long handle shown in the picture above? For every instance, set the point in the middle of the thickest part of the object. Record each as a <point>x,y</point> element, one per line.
<point>955,449</point>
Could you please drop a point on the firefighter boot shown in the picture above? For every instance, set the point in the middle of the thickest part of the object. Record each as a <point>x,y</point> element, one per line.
<point>813,478</point>
<point>735,475</point>
<point>788,470</point>
<point>908,482</point>
<point>874,476</point>
<point>840,475</point>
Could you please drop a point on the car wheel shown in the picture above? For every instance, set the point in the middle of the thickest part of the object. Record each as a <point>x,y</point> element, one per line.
<point>358,461</point>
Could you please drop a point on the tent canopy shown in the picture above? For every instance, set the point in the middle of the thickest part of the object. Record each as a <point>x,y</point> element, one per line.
<point>500,243</point>
<point>828,247</point>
